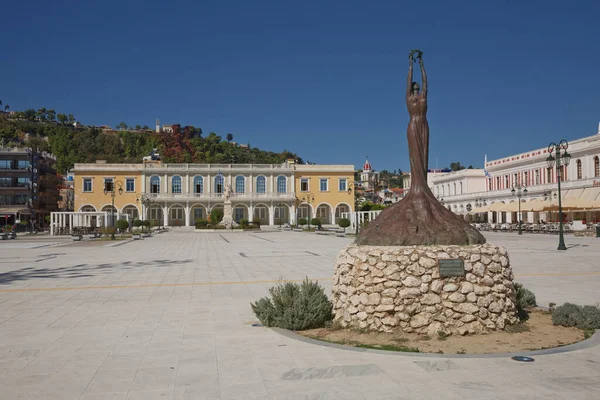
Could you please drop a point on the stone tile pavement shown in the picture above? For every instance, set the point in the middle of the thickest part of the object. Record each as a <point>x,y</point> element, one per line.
<point>169,317</point>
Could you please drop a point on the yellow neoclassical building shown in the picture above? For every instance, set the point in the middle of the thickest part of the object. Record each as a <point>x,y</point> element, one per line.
<point>179,194</point>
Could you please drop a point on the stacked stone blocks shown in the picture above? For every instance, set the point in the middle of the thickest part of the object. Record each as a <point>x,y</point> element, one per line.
<point>390,288</point>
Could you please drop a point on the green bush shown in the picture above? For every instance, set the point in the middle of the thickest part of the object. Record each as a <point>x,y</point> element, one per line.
<point>137,223</point>
<point>302,221</point>
<point>586,317</point>
<point>201,223</point>
<point>525,299</point>
<point>216,216</point>
<point>243,222</point>
<point>122,225</point>
<point>344,223</point>
<point>315,221</point>
<point>295,307</point>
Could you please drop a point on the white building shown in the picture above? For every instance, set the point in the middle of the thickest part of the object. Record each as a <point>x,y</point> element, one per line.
<point>467,189</point>
<point>164,128</point>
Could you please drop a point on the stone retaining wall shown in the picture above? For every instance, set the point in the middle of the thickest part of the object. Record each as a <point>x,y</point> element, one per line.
<point>385,288</point>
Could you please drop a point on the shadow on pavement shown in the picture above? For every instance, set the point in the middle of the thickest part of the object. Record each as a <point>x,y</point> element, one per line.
<point>80,270</point>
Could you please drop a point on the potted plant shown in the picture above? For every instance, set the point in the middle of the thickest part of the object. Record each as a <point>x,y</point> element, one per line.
<point>122,225</point>
<point>136,234</point>
<point>146,232</point>
<point>10,233</point>
<point>344,223</point>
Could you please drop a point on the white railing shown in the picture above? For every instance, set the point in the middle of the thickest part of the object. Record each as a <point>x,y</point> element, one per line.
<point>363,216</point>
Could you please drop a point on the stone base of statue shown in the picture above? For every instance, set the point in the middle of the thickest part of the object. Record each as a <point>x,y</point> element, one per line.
<point>227,220</point>
<point>390,288</point>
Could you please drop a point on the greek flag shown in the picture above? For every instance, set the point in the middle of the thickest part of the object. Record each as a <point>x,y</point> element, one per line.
<point>487,174</point>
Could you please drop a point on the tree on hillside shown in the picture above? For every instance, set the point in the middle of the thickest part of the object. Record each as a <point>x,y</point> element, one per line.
<point>456,166</point>
<point>122,126</point>
<point>145,127</point>
<point>71,118</point>
<point>229,137</point>
<point>41,114</point>
<point>138,127</point>
<point>51,114</point>
<point>29,114</point>
<point>62,118</point>
<point>6,107</point>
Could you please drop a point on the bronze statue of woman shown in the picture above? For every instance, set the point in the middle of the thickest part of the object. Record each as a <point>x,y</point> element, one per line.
<point>418,219</point>
<point>418,128</point>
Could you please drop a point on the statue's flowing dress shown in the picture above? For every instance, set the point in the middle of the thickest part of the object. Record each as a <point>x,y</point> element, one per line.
<point>418,219</point>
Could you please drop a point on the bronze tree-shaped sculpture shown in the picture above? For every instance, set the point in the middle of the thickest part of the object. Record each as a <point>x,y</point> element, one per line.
<point>418,219</point>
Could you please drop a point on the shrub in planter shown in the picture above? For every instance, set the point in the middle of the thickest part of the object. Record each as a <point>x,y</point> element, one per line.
<point>302,221</point>
<point>137,223</point>
<point>295,307</point>
<point>216,216</point>
<point>146,224</point>
<point>315,221</point>
<point>586,317</point>
<point>201,224</point>
<point>122,225</point>
<point>525,299</point>
<point>344,223</point>
<point>243,222</point>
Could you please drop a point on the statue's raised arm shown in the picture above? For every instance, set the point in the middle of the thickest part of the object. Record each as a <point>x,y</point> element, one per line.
<point>423,75</point>
<point>409,81</point>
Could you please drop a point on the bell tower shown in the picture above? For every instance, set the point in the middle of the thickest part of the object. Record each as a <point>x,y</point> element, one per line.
<point>157,125</point>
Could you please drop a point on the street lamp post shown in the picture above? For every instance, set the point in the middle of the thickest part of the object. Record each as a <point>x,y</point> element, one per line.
<point>145,201</point>
<point>351,186</point>
<point>519,191</point>
<point>564,158</point>
<point>109,188</point>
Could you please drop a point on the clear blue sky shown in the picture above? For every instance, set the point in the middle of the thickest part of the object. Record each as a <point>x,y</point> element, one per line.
<point>325,79</point>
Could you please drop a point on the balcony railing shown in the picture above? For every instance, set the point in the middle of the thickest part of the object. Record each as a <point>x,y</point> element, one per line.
<point>234,196</point>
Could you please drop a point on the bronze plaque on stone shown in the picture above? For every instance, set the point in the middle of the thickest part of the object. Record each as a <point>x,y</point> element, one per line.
<point>451,268</point>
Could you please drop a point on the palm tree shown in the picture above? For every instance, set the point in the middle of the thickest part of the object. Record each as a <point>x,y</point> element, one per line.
<point>229,137</point>
<point>6,107</point>
<point>51,115</point>
<point>71,118</point>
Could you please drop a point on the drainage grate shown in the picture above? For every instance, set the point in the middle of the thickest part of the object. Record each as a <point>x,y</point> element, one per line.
<point>522,359</point>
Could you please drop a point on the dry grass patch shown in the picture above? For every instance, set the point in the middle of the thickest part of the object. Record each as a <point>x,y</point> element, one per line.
<point>537,333</point>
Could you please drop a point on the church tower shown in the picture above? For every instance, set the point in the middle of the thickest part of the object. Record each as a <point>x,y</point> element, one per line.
<point>366,176</point>
<point>157,125</point>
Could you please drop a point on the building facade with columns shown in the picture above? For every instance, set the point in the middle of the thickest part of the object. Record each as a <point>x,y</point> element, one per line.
<point>580,179</point>
<point>180,194</point>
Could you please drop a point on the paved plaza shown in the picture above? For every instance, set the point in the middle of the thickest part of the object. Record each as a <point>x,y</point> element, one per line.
<point>169,318</point>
